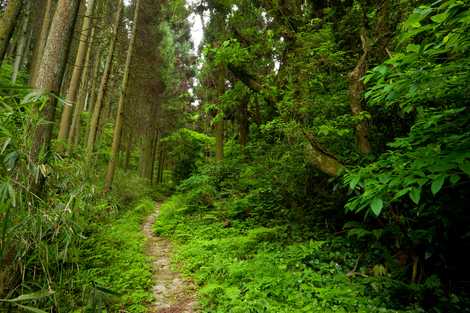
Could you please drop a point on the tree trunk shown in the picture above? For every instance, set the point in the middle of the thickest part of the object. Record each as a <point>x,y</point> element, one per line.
<point>356,90</point>
<point>127,160</point>
<point>161,162</point>
<point>41,40</point>
<point>51,70</point>
<point>7,25</point>
<point>92,92</point>
<point>146,156</point>
<point>154,153</point>
<point>74,133</point>
<point>120,110</point>
<point>321,159</point>
<point>21,47</point>
<point>102,89</point>
<point>26,61</point>
<point>71,96</point>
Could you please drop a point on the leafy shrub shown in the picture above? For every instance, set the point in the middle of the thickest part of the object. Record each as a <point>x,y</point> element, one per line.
<point>418,189</point>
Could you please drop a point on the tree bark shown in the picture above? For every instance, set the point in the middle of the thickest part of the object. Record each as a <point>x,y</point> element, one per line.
<point>26,60</point>
<point>7,25</point>
<point>120,110</point>
<point>102,89</point>
<point>21,47</point>
<point>41,40</point>
<point>127,160</point>
<point>71,96</point>
<point>321,159</point>
<point>50,72</point>
<point>74,133</point>
<point>154,154</point>
<point>161,163</point>
<point>91,91</point>
<point>356,90</point>
<point>148,154</point>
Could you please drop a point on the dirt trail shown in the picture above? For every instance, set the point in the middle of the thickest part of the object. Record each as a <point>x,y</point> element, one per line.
<point>172,293</point>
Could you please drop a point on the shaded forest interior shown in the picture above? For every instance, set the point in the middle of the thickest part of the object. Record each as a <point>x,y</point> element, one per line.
<point>311,156</point>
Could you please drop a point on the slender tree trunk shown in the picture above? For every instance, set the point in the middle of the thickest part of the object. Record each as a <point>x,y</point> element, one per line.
<point>102,89</point>
<point>51,70</point>
<point>26,61</point>
<point>146,156</point>
<point>128,151</point>
<point>92,92</point>
<point>154,154</point>
<point>356,90</point>
<point>7,24</point>
<point>161,163</point>
<point>71,96</point>
<point>120,110</point>
<point>74,132</point>
<point>21,47</point>
<point>41,40</point>
<point>148,153</point>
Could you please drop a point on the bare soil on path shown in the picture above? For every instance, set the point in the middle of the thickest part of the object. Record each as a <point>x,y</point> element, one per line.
<point>172,293</point>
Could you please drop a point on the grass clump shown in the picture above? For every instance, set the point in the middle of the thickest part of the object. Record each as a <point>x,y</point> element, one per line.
<point>114,265</point>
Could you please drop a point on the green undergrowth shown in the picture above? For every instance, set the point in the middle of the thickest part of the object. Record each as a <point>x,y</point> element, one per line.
<point>243,267</point>
<point>114,265</point>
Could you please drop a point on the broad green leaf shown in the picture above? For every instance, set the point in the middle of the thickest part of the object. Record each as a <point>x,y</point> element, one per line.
<point>376,206</point>
<point>439,18</point>
<point>415,195</point>
<point>437,184</point>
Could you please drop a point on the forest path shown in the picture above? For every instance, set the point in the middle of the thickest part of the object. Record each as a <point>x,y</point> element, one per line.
<point>172,293</point>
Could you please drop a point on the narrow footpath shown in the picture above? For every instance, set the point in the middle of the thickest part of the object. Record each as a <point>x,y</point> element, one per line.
<point>172,293</point>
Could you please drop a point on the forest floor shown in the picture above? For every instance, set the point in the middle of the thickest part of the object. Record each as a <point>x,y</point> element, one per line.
<point>172,293</point>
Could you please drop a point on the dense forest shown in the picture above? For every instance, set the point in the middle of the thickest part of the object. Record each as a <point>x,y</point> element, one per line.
<point>234,156</point>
